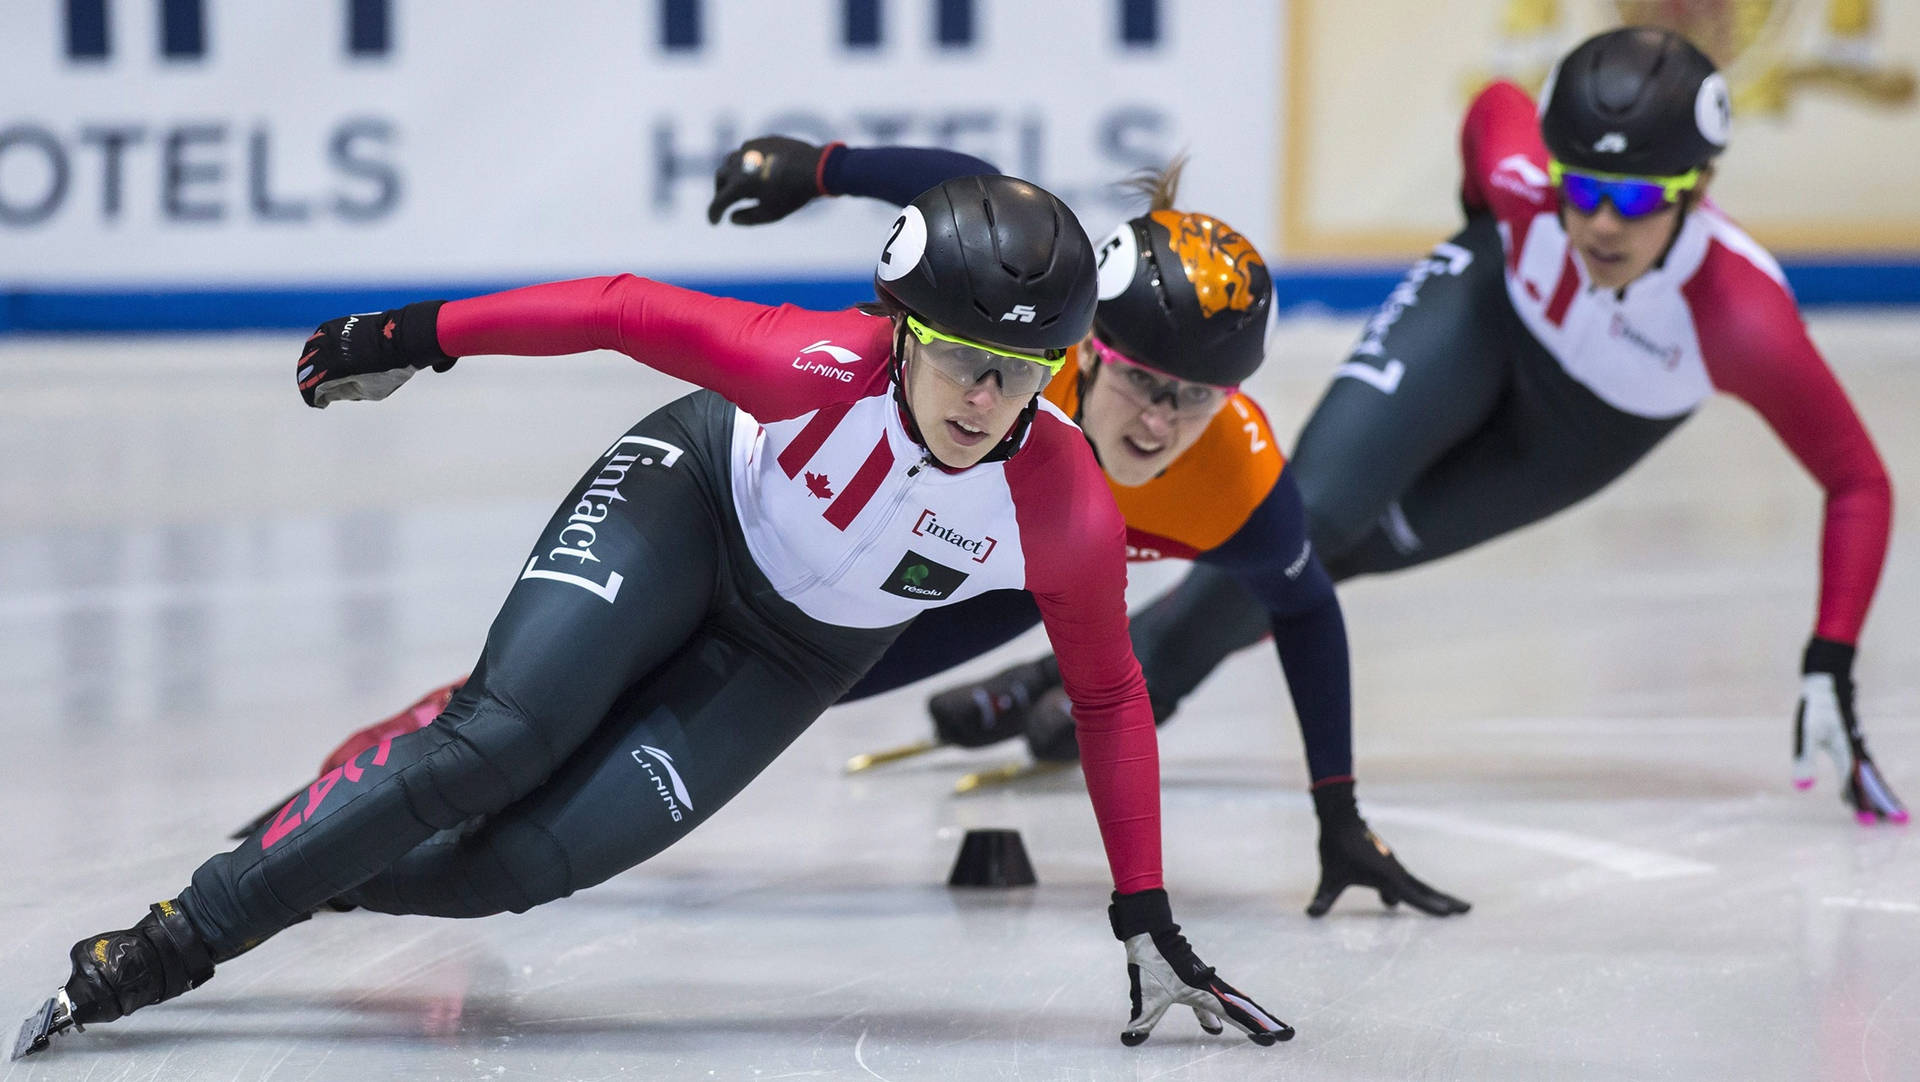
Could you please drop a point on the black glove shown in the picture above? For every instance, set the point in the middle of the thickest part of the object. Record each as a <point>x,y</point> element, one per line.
<point>782,173</point>
<point>1353,856</point>
<point>368,356</point>
<point>1825,721</point>
<point>1162,970</point>
<point>991,710</point>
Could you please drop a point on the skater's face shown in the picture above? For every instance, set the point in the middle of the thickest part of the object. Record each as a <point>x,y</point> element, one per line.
<point>1615,248</point>
<point>962,414</point>
<point>1140,420</point>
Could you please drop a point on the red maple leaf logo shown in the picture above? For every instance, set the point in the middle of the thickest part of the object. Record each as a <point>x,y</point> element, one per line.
<point>817,484</point>
<point>388,329</point>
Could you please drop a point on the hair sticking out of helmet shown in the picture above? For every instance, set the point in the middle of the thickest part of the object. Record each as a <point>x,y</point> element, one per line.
<point>1638,101</point>
<point>1159,187</point>
<point>1183,292</point>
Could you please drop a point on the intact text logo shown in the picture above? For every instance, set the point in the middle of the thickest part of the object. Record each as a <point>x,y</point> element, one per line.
<point>573,544</point>
<point>1668,356</point>
<point>1021,313</point>
<point>929,525</point>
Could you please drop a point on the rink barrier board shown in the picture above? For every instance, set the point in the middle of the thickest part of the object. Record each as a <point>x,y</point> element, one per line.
<point>133,310</point>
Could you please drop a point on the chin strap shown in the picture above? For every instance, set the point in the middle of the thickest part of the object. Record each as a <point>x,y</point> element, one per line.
<point>1003,451</point>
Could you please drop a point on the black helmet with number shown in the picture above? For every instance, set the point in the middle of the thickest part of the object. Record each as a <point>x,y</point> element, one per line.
<point>1639,100</point>
<point>1184,294</point>
<point>993,259</point>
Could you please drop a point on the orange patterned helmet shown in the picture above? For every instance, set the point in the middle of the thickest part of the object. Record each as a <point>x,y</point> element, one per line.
<point>1184,294</point>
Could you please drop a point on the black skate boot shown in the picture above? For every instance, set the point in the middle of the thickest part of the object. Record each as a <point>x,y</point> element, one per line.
<point>995,709</point>
<point>116,973</point>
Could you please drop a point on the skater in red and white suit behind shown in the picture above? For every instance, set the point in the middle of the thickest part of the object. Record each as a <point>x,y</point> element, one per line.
<point>1593,301</point>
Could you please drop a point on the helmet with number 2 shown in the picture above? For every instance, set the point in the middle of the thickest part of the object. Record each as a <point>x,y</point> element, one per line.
<point>992,259</point>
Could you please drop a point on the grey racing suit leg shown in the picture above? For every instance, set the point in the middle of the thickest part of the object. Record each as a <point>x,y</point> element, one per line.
<point>635,578</point>
<point>1446,426</point>
<point>1399,409</point>
<point>1480,432</point>
<point>1431,368</point>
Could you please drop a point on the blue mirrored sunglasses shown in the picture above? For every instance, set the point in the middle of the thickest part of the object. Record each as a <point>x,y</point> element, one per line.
<point>1631,196</point>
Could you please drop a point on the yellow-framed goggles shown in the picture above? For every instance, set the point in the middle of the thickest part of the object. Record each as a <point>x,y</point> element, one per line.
<point>1632,196</point>
<point>967,362</point>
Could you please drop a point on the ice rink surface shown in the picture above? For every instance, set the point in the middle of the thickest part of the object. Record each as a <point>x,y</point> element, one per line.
<point>1584,729</point>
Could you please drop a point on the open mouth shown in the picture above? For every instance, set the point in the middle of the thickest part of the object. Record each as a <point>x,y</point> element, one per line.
<point>1143,448</point>
<point>964,433</point>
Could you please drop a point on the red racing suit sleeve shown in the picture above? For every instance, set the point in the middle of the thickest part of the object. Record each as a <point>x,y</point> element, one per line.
<point>772,362</point>
<point>1756,348</point>
<point>1075,545</point>
<point>1504,159</point>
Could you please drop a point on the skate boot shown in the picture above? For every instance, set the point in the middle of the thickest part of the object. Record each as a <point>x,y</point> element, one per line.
<point>995,709</point>
<point>117,973</point>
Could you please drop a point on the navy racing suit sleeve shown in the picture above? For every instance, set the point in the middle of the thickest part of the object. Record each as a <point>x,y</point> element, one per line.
<point>1271,556</point>
<point>895,174</point>
<point>945,637</point>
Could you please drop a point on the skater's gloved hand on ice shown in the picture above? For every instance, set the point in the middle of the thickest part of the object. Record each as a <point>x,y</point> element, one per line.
<point>1351,855</point>
<point>1163,970</point>
<point>782,173</point>
<point>1825,721</point>
<point>369,355</point>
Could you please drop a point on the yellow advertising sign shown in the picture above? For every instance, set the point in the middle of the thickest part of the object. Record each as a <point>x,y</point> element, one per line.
<point>1826,141</point>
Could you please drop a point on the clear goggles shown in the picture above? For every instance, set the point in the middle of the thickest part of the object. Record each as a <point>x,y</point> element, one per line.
<point>967,363</point>
<point>1633,197</point>
<point>1145,388</point>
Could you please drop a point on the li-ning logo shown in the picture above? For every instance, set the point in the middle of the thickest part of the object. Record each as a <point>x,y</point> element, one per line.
<point>930,526</point>
<point>576,538</point>
<point>673,791</point>
<point>1021,313</point>
<point>1611,143</point>
<point>839,355</point>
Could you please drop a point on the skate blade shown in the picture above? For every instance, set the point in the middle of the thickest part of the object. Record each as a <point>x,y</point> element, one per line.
<point>871,759</point>
<point>1005,775</point>
<point>54,1016</point>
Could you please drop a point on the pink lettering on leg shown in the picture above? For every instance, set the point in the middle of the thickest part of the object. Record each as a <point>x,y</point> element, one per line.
<point>282,825</point>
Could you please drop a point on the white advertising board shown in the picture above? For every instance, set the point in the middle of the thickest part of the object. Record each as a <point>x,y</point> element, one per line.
<point>176,143</point>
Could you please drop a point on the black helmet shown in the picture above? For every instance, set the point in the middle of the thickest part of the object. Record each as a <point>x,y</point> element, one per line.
<point>1185,294</point>
<point>1638,100</point>
<point>993,259</point>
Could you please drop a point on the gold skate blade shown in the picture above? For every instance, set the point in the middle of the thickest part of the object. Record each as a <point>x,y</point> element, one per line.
<point>1005,775</point>
<point>871,759</point>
